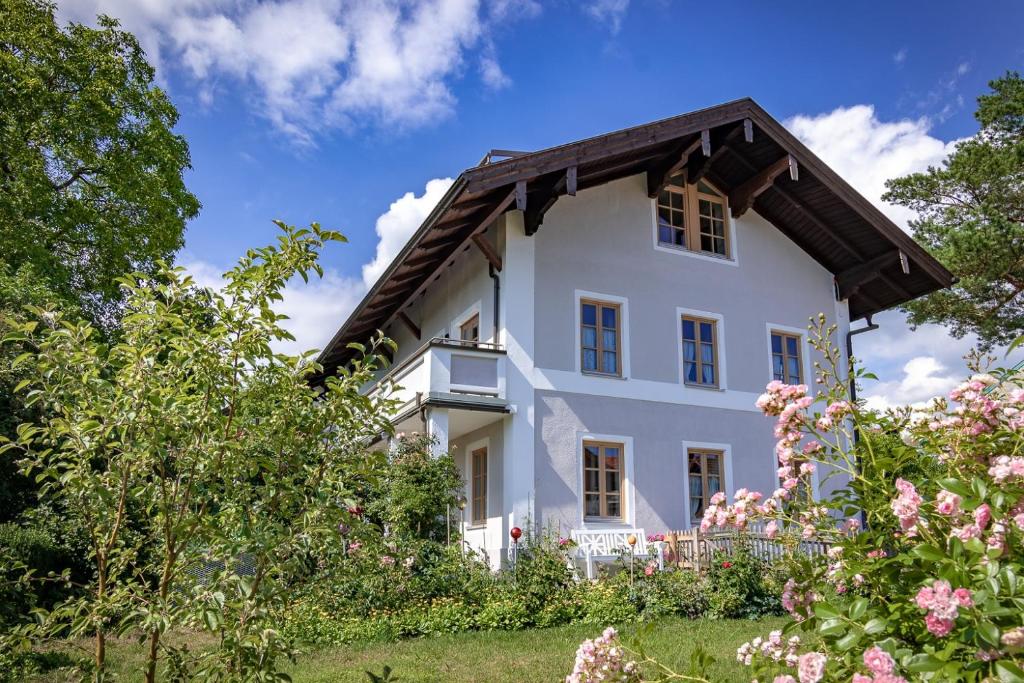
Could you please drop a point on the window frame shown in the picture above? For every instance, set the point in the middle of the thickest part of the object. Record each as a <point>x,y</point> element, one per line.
<point>691,198</point>
<point>802,345</point>
<point>579,298</point>
<point>628,498</point>
<point>785,355</point>
<point>687,222</point>
<point>725,450</point>
<point>602,481</point>
<point>705,473</point>
<point>475,479</point>
<point>716,197</point>
<point>472,319</point>
<point>699,340</point>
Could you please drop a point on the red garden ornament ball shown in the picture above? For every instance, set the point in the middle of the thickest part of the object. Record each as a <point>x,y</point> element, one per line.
<point>515,533</point>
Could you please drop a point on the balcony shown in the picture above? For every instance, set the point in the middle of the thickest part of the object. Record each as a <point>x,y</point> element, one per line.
<point>447,373</point>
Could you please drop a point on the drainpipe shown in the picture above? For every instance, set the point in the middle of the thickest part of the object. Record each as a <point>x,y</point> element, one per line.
<point>853,396</point>
<point>497,300</point>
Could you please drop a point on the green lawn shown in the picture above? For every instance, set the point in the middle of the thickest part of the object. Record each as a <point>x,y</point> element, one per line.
<point>529,656</point>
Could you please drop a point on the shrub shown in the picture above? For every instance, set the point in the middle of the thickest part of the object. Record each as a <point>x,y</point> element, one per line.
<point>739,585</point>
<point>503,610</point>
<point>29,549</point>
<point>607,601</point>
<point>672,592</point>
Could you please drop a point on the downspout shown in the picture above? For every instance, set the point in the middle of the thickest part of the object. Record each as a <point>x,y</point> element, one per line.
<point>853,396</point>
<point>497,300</point>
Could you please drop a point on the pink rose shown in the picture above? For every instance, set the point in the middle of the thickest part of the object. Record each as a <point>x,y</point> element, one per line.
<point>878,661</point>
<point>811,667</point>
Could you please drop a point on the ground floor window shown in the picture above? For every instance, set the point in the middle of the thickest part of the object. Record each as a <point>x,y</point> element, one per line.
<point>478,492</point>
<point>706,474</point>
<point>602,480</point>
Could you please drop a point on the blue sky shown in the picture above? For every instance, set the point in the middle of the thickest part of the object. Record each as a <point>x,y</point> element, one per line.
<point>334,110</point>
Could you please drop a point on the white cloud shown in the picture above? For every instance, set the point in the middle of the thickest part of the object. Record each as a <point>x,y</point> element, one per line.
<point>317,64</point>
<point>900,56</point>
<point>314,309</point>
<point>609,12</point>
<point>923,378</point>
<point>867,151</point>
<point>396,226</point>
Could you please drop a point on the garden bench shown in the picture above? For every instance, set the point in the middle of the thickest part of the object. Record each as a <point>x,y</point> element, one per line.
<point>596,545</point>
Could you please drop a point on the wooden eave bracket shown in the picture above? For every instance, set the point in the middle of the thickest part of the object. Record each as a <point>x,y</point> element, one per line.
<point>658,175</point>
<point>489,252</point>
<point>710,157</point>
<point>741,199</point>
<point>544,199</point>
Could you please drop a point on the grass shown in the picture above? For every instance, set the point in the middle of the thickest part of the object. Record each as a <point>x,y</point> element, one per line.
<point>533,656</point>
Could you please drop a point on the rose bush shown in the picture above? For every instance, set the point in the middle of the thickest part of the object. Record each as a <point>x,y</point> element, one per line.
<point>925,513</point>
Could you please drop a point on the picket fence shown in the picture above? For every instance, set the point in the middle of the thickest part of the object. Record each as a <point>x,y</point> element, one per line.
<point>695,549</point>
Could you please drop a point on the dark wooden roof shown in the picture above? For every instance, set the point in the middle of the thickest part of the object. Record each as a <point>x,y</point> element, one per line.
<point>877,265</point>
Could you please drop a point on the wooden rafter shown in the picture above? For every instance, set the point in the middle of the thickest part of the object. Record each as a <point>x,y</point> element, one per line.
<point>489,252</point>
<point>852,279</point>
<point>413,327</point>
<point>742,197</point>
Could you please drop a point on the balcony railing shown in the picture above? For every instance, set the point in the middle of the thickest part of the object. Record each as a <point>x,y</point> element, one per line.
<point>446,368</point>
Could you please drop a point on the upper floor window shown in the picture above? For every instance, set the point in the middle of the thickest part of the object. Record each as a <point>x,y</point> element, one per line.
<point>600,337</point>
<point>786,361</point>
<point>700,351</point>
<point>602,480</point>
<point>711,213</point>
<point>470,330</point>
<point>693,217</point>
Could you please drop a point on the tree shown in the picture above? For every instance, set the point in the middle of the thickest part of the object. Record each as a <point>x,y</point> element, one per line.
<point>90,170</point>
<point>207,468</point>
<point>971,218</point>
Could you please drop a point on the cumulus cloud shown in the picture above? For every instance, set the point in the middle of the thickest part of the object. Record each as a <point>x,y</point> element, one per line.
<point>399,222</point>
<point>867,151</point>
<point>317,64</point>
<point>314,309</point>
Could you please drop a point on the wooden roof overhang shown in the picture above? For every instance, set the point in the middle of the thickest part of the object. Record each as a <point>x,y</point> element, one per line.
<point>738,146</point>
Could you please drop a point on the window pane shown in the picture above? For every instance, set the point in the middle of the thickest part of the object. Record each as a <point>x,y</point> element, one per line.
<point>589,314</point>
<point>611,458</point>
<point>714,484</point>
<point>690,371</point>
<point>611,482</point>
<point>613,506</point>
<point>592,506</point>
<point>608,316</point>
<point>707,243</point>
<point>680,238</point>
<point>705,332</point>
<point>712,463</point>
<point>689,351</point>
<point>720,247</point>
<point>665,233</point>
<point>705,210</point>
<point>590,456</point>
<point>590,337</point>
<point>677,200</point>
<point>593,480</point>
<point>611,363</point>
<point>719,228</point>
<point>778,371</point>
<point>704,187</point>
<point>664,198</point>
<point>776,344</point>
<point>689,329</point>
<point>589,359</point>
<point>794,371</point>
<point>791,346</point>
<point>716,210</point>
<point>707,374</point>
<point>696,497</point>
<point>707,354</point>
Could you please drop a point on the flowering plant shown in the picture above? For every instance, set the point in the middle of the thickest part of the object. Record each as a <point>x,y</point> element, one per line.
<point>924,515</point>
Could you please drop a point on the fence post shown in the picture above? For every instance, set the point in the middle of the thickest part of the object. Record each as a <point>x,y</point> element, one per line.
<point>696,549</point>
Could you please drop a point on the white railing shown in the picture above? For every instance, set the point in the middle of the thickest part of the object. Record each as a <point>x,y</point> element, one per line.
<point>446,367</point>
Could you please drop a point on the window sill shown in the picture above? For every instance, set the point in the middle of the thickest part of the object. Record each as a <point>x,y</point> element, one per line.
<point>603,375</point>
<point>705,255</point>
<point>702,387</point>
<point>605,523</point>
<point>476,526</point>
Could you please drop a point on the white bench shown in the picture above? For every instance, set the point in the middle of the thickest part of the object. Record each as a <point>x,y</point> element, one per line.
<point>608,544</point>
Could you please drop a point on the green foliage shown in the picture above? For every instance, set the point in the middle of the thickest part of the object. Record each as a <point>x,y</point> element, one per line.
<point>740,585</point>
<point>672,592</point>
<point>970,218</point>
<point>189,443</point>
<point>417,492</point>
<point>90,170</point>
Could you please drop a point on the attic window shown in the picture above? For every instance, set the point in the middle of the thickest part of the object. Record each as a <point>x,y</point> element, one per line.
<point>693,217</point>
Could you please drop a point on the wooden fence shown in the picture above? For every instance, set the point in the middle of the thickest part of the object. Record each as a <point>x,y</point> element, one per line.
<point>695,550</point>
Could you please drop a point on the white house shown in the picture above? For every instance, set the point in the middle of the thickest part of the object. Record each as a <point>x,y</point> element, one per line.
<point>586,328</point>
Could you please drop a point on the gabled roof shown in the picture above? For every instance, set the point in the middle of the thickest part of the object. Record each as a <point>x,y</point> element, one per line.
<point>738,146</point>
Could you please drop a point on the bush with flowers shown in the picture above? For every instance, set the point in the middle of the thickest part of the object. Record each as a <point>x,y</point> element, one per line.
<point>925,515</point>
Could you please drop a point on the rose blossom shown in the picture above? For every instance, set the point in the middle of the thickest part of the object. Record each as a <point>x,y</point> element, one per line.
<point>811,667</point>
<point>878,661</point>
<point>947,503</point>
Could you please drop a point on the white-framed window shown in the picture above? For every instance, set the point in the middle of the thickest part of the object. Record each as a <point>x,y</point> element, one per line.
<point>700,348</point>
<point>602,334</point>
<point>606,493</point>
<point>788,354</point>
<point>693,219</point>
<point>708,471</point>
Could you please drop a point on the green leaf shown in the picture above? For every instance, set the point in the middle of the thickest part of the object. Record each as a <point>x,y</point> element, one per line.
<point>858,608</point>
<point>825,610</point>
<point>989,632</point>
<point>875,626</point>
<point>1009,672</point>
<point>929,552</point>
<point>849,640</point>
<point>923,662</point>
